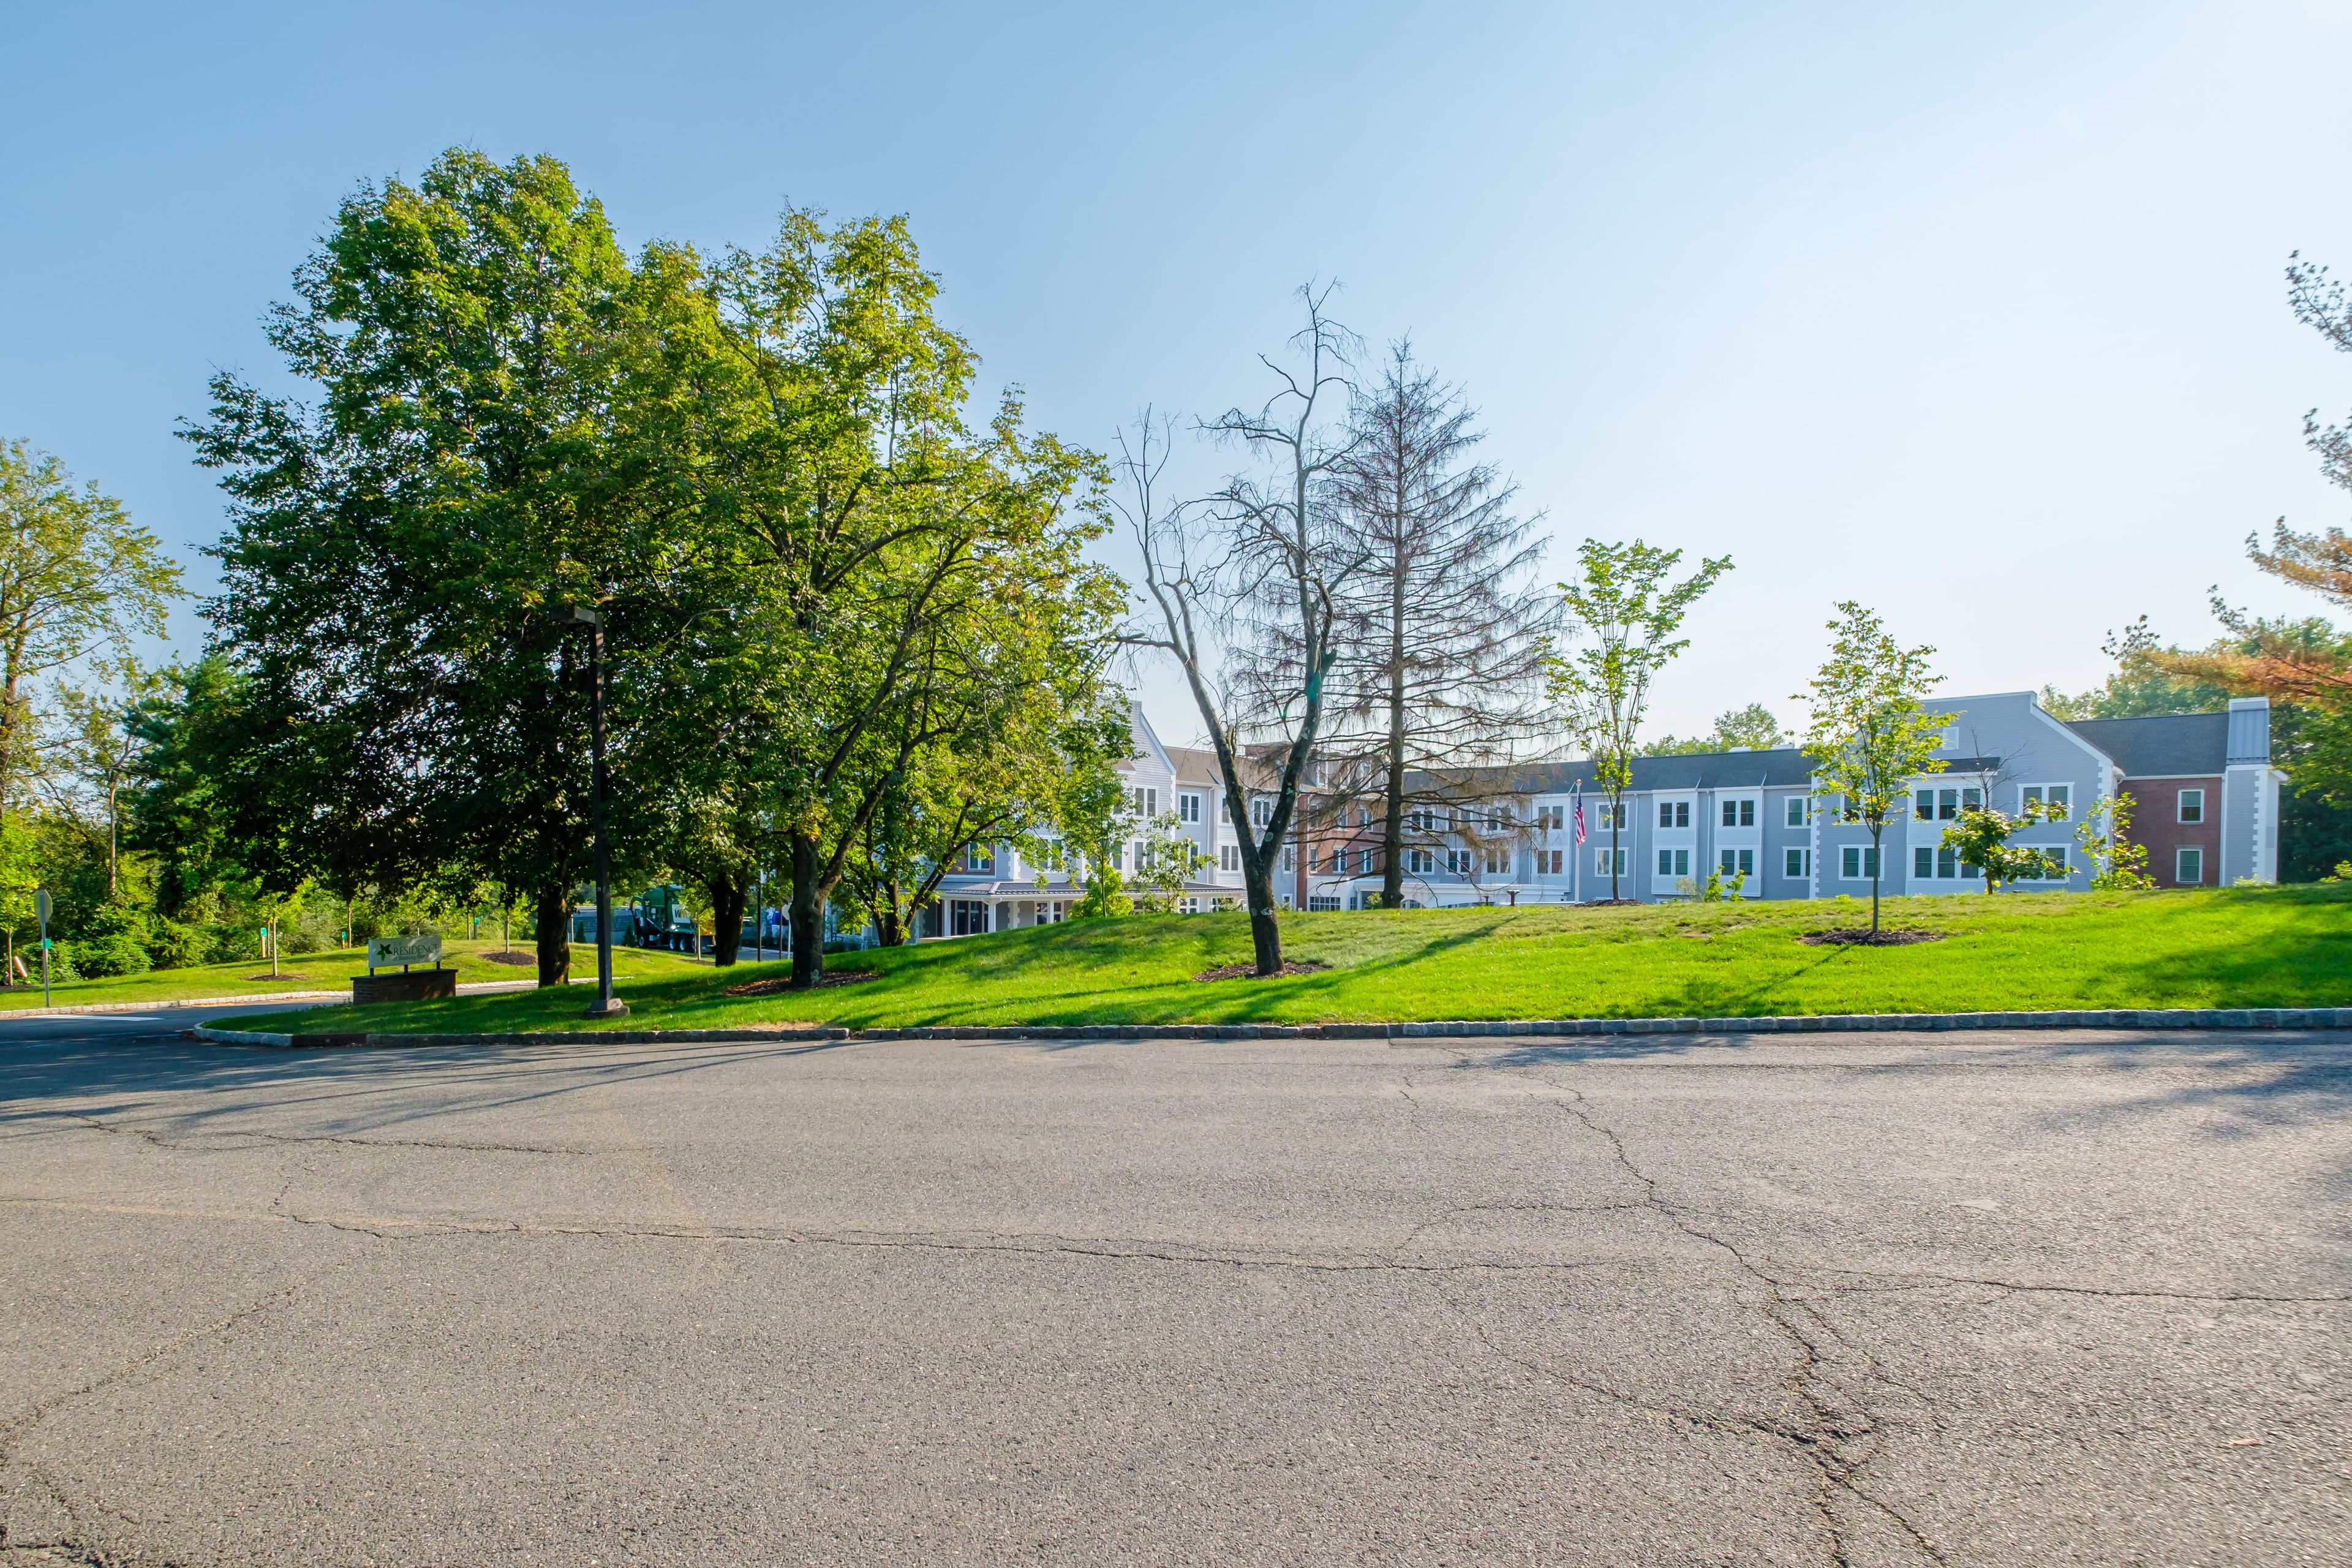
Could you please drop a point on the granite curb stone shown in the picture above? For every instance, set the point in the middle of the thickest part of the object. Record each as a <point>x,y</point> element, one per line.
<point>1517,1028</point>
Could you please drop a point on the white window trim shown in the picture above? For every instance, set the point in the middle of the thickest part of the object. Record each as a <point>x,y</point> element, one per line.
<point>1806,861</point>
<point>2045,788</point>
<point>1756,826</point>
<point>1862,853</point>
<point>2181,805</point>
<point>1804,814</point>
<point>2178,854</point>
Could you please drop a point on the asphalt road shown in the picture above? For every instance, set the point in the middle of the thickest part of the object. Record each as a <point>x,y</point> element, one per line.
<point>1978,1299</point>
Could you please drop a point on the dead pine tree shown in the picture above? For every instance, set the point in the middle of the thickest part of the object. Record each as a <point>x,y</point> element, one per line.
<point>1241,590</point>
<point>1442,627</point>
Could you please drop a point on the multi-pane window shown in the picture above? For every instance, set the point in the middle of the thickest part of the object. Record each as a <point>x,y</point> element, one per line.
<point>1458,862</point>
<point>1798,809</point>
<point>1612,816</point>
<point>980,858</point>
<point>2193,806</point>
<point>1739,813</point>
<point>1674,814</point>
<point>1600,863</point>
<point>1738,862</point>
<point>1421,820</point>
<point>1797,863</point>
<point>1551,816</point>
<point>1499,862</point>
<point>1290,858</point>
<point>1946,804</point>
<point>1187,808</point>
<point>1229,858</point>
<point>1420,862</point>
<point>1143,802</point>
<point>1934,863</point>
<point>1547,860</point>
<point>1674,862</point>
<point>1261,811</point>
<point>1858,862</point>
<point>2188,866</point>
<point>1364,861</point>
<point>2059,798</point>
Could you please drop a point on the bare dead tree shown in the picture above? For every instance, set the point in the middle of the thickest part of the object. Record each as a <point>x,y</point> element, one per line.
<point>1241,588</point>
<point>1443,627</point>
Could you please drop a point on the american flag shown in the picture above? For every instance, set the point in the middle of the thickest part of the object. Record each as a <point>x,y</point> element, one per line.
<point>1576,793</point>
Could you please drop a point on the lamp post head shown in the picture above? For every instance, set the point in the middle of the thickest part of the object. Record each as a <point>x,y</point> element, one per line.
<point>588,614</point>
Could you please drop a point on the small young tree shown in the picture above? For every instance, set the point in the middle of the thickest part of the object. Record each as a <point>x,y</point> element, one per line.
<point>1870,733</point>
<point>2117,865</point>
<point>1629,613</point>
<point>1980,835</point>
<point>1165,859</point>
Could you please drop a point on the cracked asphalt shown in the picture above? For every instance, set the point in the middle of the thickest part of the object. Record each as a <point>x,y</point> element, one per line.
<point>1864,1299</point>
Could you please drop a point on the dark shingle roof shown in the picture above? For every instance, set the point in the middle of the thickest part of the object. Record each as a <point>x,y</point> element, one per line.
<point>2164,743</point>
<point>1783,768</point>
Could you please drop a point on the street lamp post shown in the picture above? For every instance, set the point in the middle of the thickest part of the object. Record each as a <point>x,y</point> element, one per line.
<point>606,1005</point>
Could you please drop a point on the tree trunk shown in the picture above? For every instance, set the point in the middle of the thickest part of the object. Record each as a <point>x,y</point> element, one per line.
<point>1614,853</point>
<point>727,918</point>
<point>1392,838</point>
<point>553,906</point>
<point>1877,869</point>
<point>808,915</point>
<point>889,929</point>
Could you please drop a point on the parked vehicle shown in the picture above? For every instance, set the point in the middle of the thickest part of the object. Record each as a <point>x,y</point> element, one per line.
<point>658,918</point>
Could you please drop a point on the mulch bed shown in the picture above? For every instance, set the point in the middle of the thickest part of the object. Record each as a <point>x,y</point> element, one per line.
<point>1249,970</point>
<point>513,956</point>
<point>1865,937</point>
<point>778,985</point>
<point>288,974</point>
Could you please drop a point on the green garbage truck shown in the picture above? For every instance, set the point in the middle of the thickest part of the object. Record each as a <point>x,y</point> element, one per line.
<point>658,918</point>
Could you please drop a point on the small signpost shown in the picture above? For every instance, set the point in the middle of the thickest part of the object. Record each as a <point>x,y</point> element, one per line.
<point>41,907</point>
<point>408,985</point>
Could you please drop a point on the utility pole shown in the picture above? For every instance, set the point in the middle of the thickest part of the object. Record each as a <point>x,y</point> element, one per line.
<point>606,1005</point>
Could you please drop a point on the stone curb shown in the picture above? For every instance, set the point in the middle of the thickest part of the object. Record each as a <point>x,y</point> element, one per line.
<point>1543,1028</point>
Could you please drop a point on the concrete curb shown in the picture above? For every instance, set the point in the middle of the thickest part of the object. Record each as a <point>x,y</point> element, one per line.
<point>304,998</point>
<point>1518,1028</point>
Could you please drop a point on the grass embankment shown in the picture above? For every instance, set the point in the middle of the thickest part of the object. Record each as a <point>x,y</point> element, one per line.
<point>2267,947</point>
<point>331,970</point>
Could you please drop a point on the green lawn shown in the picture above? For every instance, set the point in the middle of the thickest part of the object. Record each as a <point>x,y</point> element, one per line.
<point>327,970</point>
<point>2249,947</point>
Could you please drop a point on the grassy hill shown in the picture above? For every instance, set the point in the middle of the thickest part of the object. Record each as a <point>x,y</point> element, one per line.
<point>331,970</point>
<point>2240,947</point>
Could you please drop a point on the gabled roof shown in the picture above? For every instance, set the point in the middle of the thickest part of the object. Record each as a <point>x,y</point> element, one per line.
<point>2160,745</point>
<point>1194,764</point>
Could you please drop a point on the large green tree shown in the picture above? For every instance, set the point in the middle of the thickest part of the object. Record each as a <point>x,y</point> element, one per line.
<point>411,696</point>
<point>76,576</point>
<point>864,558</point>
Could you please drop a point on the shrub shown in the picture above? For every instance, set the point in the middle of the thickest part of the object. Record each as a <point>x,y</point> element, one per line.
<point>171,945</point>
<point>109,955</point>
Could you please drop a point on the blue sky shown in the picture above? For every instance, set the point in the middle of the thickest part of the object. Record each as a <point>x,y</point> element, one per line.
<point>1972,313</point>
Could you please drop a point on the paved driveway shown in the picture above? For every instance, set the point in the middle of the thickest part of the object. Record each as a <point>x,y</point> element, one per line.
<point>1878,1299</point>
